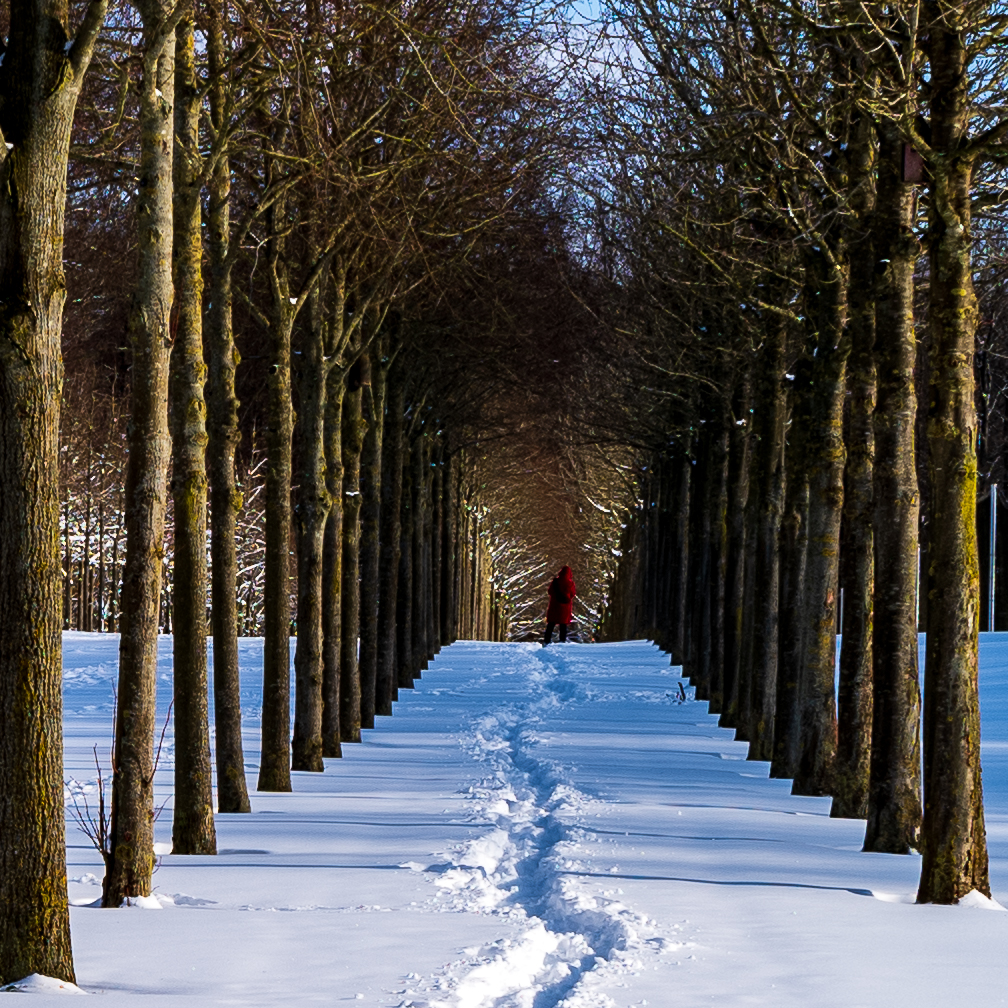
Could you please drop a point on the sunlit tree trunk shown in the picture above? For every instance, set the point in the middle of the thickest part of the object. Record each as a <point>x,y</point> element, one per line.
<point>894,793</point>
<point>954,840</point>
<point>314,503</point>
<point>854,699</point>
<point>131,864</point>
<point>40,86</point>
<point>223,438</point>
<point>192,810</point>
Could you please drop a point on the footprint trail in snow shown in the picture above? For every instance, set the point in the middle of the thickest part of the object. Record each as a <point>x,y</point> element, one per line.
<point>529,867</point>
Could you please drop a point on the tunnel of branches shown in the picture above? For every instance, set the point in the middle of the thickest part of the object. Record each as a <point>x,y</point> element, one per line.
<point>401,309</point>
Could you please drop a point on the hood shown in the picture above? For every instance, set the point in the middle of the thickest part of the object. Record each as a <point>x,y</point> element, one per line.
<point>564,574</point>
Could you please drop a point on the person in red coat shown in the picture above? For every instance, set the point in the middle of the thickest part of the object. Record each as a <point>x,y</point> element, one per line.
<point>561,604</point>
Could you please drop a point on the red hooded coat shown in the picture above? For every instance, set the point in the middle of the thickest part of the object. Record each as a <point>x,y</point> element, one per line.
<point>561,595</point>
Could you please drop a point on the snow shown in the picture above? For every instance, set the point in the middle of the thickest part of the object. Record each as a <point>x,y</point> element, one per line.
<point>532,828</point>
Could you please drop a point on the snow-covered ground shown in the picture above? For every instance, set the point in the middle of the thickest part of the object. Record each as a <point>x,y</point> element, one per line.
<point>533,828</point>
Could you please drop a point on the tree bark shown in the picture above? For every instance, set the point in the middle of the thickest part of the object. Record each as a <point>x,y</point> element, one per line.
<point>332,568</point>
<point>854,699</point>
<point>223,437</point>
<point>793,553</point>
<point>418,621</point>
<point>738,495</point>
<point>680,535</point>
<point>954,840</point>
<point>131,863</point>
<point>192,815</point>
<point>894,799</point>
<point>718,547</point>
<point>769,460</point>
<point>39,94</point>
<point>450,508</point>
<point>354,428</point>
<point>314,502</point>
<point>404,597</point>
<point>274,766</point>
<point>826,457</point>
<point>391,495</point>
<point>370,546</point>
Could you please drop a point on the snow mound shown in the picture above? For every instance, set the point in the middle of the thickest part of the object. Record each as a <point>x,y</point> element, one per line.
<point>977,901</point>
<point>37,983</point>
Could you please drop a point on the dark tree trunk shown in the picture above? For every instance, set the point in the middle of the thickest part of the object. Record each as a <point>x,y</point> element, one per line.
<point>40,86</point>
<point>680,535</point>
<point>954,839</point>
<point>132,813</point>
<point>404,598</point>
<point>854,700</point>
<point>192,815</point>
<point>769,417</point>
<point>332,567</point>
<point>371,474</point>
<point>274,766</point>
<point>313,506</point>
<point>793,552</point>
<point>739,452</point>
<point>448,551</point>
<point>436,525</point>
<point>826,457</point>
<point>894,800</point>
<point>699,558</point>
<point>224,435</point>
<point>418,622</point>
<point>718,559</point>
<point>354,428</point>
<point>391,495</point>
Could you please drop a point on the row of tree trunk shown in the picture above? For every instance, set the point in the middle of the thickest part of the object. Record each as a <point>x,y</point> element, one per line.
<point>799,488</point>
<point>783,515</point>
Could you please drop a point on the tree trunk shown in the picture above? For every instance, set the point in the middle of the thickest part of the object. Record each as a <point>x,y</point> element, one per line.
<point>769,459</point>
<point>954,840</point>
<point>894,800</point>
<point>854,700</point>
<point>718,547</point>
<point>436,525</point>
<point>370,546</point>
<point>314,502</point>
<point>274,766</point>
<point>192,815</point>
<point>793,553</point>
<point>332,567</point>
<point>739,451</point>
<point>418,622</point>
<point>131,863</point>
<point>223,438</point>
<point>680,529</point>
<point>404,598</point>
<point>826,458</point>
<point>391,495</point>
<point>354,428</point>
<point>40,86</point>
<point>449,533</point>
<point>696,649</point>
